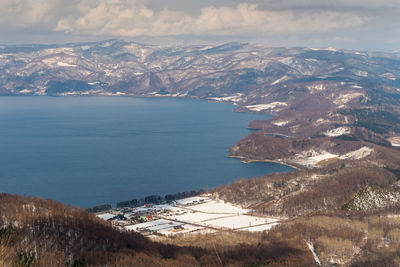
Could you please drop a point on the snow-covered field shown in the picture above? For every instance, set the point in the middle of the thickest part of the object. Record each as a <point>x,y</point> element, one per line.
<point>194,214</point>
<point>239,221</point>
<point>218,206</point>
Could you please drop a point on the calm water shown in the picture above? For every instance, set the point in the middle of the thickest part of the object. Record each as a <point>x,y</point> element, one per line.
<point>87,151</point>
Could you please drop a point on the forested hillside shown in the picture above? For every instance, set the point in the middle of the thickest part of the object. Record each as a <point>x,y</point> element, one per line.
<point>37,232</point>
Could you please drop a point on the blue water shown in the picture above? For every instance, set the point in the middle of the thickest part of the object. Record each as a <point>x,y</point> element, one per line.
<point>87,151</point>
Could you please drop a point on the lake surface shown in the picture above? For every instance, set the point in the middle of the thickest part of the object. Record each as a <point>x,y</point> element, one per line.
<point>87,151</point>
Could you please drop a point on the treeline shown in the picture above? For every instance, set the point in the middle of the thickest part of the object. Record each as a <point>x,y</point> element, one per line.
<point>152,199</point>
<point>157,199</point>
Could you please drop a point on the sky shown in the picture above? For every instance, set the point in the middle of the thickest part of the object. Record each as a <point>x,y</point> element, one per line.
<point>350,24</point>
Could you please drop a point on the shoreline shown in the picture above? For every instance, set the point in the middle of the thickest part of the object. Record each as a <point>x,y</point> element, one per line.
<point>247,160</point>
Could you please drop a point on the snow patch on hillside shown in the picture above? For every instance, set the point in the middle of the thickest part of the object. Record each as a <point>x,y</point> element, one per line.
<point>326,49</point>
<point>316,88</point>
<point>25,91</point>
<point>361,73</point>
<point>283,78</point>
<point>370,198</point>
<point>389,76</point>
<point>312,158</point>
<point>321,121</point>
<point>337,132</point>
<point>261,107</point>
<point>311,248</point>
<point>345,98</point>
<point>281,123</point>
<point>63,64</point>
<point>358,154</point>
<point>231,98</point>
<point>395,141</point>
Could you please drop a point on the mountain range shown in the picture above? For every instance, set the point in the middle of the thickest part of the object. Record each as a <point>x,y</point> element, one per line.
<point>239,73</point>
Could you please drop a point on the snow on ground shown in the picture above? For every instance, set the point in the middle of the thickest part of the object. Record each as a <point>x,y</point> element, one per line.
<point>165,227</point>
<point>186,229</point>
<point>105,216</point>
<point>259,228</point>
<point>283,78</point>
<point>316,88</point>
<point>25,91</point>
<point>337,132</point>
<point>219,206</point>
<point>63,64</point>
<point>389,76</point>
<point>311,247</point>
<point>345,98</point>
<point>194,214</point>
<point>321,157</point>
<point>196,217</point>
<point>261,107</point>
<point>326,48</point>
<point>395,141</point>
<point>321,121</point>
<point>148,224</point>
<point>239,221</point>
<point>281,123</point>
<point>361,73</point>
<point>232,98</point>
<point>358,154</point>
<point>191,200</point>
<point>314,159</point>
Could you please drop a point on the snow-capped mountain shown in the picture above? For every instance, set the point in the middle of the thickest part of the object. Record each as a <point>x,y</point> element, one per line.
<point>233,72</point>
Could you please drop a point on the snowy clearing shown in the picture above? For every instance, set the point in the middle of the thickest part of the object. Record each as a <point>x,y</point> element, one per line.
<point>312,158</point>
<point>395,141</point>
<point>345,98</point>
<point>219,206</point>
<point>261,107</point>
<point>232,98</point>
<point>358,154</point>
<point>281,123</point>
<point>283,78</point>
<point>63,64</point>
<point>337,132</point>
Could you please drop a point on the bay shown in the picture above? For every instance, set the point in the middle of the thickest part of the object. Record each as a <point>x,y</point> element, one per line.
<point>86,151</point>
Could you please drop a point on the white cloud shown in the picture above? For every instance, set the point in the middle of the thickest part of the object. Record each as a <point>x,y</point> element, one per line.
<point>129,18</point>
<point>133,18</point>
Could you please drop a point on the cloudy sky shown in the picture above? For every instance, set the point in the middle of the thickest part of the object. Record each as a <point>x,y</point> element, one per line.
<point>353,24</point>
